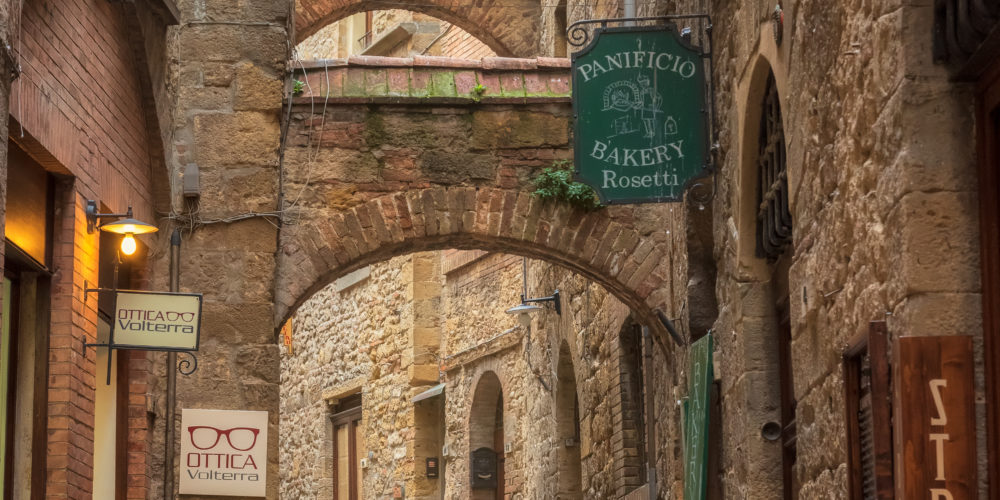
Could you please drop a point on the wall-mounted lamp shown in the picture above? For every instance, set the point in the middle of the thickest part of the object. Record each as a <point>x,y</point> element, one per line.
<point>525,308</point>
<point>128,226</point>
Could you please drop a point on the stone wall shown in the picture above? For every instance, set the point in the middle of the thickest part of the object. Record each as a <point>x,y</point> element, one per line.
<point>884,212</point>
<point>346,341</point>
<point>227,64</point>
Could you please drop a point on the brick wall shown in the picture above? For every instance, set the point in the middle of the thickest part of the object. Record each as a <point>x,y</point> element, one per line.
<point>458,43</point>
<point>80,102</point>
<point>510,30</point>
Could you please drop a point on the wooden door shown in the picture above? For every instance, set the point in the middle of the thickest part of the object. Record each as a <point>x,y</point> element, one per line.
<point>988,141</point>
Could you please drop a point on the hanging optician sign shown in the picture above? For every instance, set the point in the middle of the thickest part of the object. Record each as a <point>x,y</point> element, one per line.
<point>157,321</point>
<point>223,452</point>
<point>641,118</point>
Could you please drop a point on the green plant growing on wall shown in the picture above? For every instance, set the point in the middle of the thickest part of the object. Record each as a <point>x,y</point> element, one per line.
<point>556,183</point>
<point>297,87</point>
<point>477,92</point>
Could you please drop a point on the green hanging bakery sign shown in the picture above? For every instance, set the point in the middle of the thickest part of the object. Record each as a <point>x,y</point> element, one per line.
<point>641,119</point>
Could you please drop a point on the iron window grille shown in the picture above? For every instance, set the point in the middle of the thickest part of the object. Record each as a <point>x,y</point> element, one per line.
<point>774,220</point>
<point>962,27</point>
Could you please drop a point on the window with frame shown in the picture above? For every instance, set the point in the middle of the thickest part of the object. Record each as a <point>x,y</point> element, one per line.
<point>348,448</point>
<point>774,218</point>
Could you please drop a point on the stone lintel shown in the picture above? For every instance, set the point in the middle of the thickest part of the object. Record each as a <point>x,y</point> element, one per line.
<point>334,394</point>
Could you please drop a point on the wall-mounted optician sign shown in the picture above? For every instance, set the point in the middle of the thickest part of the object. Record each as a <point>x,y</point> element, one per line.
<point>157,321</point>
<point>223,452</point>
<point>641,115</point>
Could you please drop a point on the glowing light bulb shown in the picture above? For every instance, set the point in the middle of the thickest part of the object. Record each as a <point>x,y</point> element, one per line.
<point>128,244</point>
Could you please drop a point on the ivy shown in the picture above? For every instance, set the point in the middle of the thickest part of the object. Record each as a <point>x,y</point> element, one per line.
<point>556,183</point>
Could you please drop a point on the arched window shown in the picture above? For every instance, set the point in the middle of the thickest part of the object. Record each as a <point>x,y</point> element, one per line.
<point>774,220</point>
<point>774,237</point>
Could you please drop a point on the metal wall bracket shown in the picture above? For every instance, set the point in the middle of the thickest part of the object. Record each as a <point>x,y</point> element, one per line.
<point>184,366</point>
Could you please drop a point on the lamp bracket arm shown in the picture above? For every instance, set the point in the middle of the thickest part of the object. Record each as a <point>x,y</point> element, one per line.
<point>551,298</point>
<point>93,217</point>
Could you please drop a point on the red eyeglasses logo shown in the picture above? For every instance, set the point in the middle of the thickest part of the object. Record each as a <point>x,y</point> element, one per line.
<point>204,437</point>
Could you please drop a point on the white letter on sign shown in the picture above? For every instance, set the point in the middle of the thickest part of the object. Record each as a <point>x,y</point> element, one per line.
<point>936,385</point>
<point>940,494</point>
<point>939,440</point>
<point>599,149</point>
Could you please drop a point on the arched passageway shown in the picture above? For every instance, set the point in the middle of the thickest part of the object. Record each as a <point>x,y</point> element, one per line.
<point>510,29</point>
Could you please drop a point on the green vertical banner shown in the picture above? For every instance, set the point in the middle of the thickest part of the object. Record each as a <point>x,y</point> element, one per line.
<point>641,119</point>
<point>696,410</point>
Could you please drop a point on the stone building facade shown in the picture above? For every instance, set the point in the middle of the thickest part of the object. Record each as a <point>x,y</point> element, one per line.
<point>874,119</point>
<point>570,386</point>
<point>881,187</point>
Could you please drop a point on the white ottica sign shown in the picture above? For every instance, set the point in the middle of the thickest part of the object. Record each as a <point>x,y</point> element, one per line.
<point>223,452</point>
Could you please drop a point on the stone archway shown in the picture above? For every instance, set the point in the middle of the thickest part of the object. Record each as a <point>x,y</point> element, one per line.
<point>600,245</point>
<point>510,30</point>
<point>382,174</point>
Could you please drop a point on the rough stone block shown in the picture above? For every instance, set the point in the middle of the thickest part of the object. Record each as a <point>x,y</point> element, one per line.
<point>512,129</point>
<point>376,82</point>
<point>399,81</point>
<point>354,83</point>
<point>931,222</point>
<point>465,82</point>
<point>256,90</point>
<point>421,83</point>
<point>512,85</point>
<point>455,168</point>
<point>423,374</point>
<point>243,138</point>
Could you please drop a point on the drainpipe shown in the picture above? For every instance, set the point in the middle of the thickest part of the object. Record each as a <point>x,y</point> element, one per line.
<point>168,461</point>
<point>629,11</point>
<point>647,365</point>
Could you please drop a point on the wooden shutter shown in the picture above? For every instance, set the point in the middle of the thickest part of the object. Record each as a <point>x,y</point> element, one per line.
<point>868,413</point>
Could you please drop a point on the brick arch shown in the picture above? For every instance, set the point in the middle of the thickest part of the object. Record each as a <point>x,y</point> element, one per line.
<point>606,245</point>
<point>510,31</point>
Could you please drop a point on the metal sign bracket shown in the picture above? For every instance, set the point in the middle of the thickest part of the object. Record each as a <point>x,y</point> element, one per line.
<point>184,366</point>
